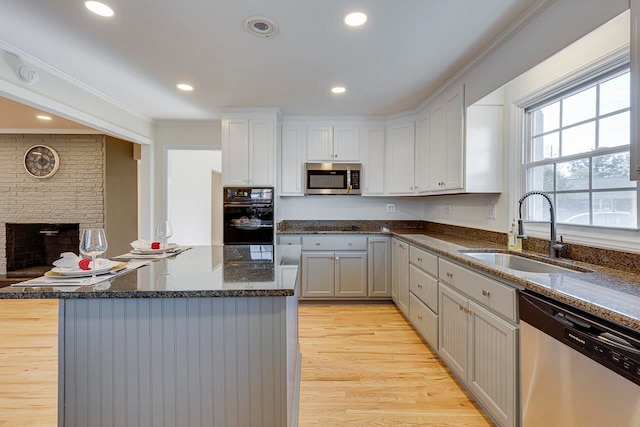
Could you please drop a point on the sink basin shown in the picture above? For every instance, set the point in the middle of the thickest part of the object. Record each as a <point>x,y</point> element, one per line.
<point>521,263</point>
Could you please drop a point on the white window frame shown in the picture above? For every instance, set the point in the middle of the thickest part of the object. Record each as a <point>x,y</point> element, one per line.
<point>615,238</point>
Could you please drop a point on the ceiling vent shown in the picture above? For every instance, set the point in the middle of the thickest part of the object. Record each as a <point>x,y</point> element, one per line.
<point>261,26</point>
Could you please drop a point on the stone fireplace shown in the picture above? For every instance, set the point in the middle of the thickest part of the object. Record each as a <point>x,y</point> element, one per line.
<point>74,195</point>
<point>32,248</point>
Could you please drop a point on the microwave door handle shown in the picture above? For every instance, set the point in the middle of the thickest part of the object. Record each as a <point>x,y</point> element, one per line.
<point>348,179</point>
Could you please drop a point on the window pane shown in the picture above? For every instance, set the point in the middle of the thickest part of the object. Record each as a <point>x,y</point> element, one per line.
<point>573,175</point>
<point>612,171</point>
<point>537,208</point>
<point>579,107</point>
<point>579,139</point>
<point>614,130</point>
<point>573,208</point>
<point>614,94</point>
<point>546,119</point>
<point>545,147</point>
<point>615,209</point>
<point>540,178</point>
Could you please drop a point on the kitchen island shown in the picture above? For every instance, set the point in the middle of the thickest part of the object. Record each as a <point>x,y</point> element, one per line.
<point>206,338</point>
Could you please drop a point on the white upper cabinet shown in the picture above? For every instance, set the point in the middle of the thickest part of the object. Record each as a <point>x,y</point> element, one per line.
<point>422,166</point>
<point>249,147</point>
<point>333,144</point>
<point>446,124</point>
<point>373,158</point>
<point>292,158</point>
<point>399,177</point>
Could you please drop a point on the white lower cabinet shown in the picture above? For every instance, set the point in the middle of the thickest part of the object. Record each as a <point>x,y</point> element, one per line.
<point>379,267</point>
<point>481,349</point>
<point>424,320</point>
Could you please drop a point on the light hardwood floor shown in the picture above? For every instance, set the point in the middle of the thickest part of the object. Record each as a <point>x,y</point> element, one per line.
<point>362,365</point>
<point>28,363</point>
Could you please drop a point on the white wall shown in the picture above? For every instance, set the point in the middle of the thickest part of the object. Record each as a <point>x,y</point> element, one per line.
<point>347,207</point>
<point>189,194</point>
<point>469,210</point>
<point>183,135</point>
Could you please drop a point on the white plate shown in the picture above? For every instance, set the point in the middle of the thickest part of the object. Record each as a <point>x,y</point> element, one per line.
<point>170,247</point>
<point>61,271</point>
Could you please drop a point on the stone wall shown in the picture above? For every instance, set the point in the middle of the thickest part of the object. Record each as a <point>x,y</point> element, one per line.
<point>75,194</point>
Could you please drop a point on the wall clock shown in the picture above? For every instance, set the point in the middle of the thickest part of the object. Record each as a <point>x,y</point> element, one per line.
<point>41,161</point>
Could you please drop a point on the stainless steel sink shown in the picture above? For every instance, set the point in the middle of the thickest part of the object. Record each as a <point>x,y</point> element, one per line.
<point>521,263</point>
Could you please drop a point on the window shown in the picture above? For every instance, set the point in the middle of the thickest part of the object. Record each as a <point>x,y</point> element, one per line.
<point>577,151</point>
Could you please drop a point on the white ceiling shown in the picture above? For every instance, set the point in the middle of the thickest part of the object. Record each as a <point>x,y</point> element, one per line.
<point>402,54</point>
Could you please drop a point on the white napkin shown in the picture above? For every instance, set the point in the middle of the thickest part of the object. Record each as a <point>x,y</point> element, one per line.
<point>141,244</point>
<point>67,260</point>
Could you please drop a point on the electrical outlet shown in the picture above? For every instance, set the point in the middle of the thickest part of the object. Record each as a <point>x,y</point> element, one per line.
<point>447,209</point>
<point>391,207</point>
<point>491,211</point>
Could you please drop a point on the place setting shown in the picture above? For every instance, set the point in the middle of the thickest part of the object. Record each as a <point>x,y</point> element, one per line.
<point>146,249</point>
<point>86,269</point>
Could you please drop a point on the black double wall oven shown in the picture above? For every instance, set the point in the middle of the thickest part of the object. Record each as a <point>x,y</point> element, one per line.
<point>248,216</point>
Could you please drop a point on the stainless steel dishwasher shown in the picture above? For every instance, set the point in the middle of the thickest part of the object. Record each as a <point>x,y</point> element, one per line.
<point>576,369</point>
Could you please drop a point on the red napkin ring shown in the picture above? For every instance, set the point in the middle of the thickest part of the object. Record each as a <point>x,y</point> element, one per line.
<point>155,245</point>
<point>84,264</point>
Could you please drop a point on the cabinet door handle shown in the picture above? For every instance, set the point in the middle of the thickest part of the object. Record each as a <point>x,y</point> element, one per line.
<point>450,275</point>
<point>419,317</point>
<point>486,293</point>
<point>461,308</point>
<point>350,244</point>
<point>317,244</point>
<point>419,259</point>
<point>419,286</point>
<point>337,258</point>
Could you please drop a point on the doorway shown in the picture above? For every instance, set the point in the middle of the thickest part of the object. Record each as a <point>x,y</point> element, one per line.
<point>194,195</point>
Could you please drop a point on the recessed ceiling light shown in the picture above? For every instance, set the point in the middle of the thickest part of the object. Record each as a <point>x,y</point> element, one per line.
<point>43,117</point>
<point>185,87</point>
<point>338,89</point>
<point>99,8</point>
<point>355,19</point>
<point>261,26</point>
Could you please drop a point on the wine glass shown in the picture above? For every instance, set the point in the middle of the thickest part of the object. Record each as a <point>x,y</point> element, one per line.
<point>93,242</point>
<point>164,231</point>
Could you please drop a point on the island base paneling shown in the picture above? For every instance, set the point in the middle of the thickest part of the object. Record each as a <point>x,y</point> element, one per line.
<point>178,362</point>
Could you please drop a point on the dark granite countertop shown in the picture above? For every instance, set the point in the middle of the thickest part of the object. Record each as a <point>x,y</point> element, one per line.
<point>203,271</point>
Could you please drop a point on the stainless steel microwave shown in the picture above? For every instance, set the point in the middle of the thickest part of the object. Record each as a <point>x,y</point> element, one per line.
<point>332,178</point>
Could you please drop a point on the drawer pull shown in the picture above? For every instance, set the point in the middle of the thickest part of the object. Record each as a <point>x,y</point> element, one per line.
<point>350,244</point>
<point>461,308</point>
<point>419,286</point>
<point>317,244</point>
<point>419,259</point>
<point>450,275</point>
<point>486,293</point>
<point>337,258</point>
<point>419,317</point>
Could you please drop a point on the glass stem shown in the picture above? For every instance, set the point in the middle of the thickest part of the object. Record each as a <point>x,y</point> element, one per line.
<point>93,266</point>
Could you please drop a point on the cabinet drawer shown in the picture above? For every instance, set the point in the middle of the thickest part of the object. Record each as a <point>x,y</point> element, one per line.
<point>493,295</point>
<point>424,287</point>
<point>424,320</point>
<point>290,240</point>
<point>424,260</point>
<point>334,243</point>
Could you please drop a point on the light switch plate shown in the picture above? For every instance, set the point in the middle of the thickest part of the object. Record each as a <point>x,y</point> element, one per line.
<point>491,211</point>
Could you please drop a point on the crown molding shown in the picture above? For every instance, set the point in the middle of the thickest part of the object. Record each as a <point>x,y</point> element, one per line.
<point>32,60</point>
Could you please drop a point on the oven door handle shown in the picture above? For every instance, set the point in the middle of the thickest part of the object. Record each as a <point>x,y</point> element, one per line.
<point>247,205</point>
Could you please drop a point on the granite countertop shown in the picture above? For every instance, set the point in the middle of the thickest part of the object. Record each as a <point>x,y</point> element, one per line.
<point>203,271</point>
<point>604,292</point>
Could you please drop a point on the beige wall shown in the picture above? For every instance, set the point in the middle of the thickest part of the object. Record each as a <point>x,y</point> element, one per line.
<point>75,194</point>
<point>121,196</point>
